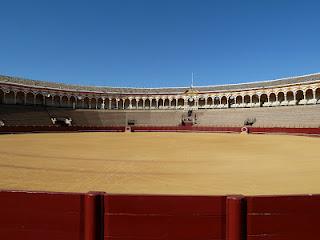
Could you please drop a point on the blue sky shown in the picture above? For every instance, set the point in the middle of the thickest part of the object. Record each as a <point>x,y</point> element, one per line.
<point>156,43</point>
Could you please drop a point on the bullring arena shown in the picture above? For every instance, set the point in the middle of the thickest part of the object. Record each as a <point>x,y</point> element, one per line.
<point>212,162</point>
<point>161,163</point>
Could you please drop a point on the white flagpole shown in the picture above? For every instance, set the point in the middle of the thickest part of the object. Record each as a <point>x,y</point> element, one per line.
<point>192,80</point>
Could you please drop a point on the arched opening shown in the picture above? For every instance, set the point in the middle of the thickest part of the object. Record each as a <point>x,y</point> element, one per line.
<point>290,96</point>
<point>39,99</point>
<point>231,101</point>
<point>134,103</point>
<point>202,102</point>
<point>318,93</point>
<point>281,97</point>
<point>153,103</point>
<point>174,102</point>
<point>1,96</point>
<point>216,101</point>
<point>147,103</point>
<point>56,101</point>
<point>107,103</point>
<point>86,103</point>
<point>209,101</point>
<point>299,95</point>
<point>64,102</point>
<point>48,100</point>
<point>238,99</point>
<point>120,104</point>
<point>272,97</point>
<point>166,102</point>
<point>246,99</point>
<point>99,103</point>
<point>255,98</point>
<point>263,98</point>
<point>160,103</point>
<point>72,102</point>
<point>93,103</point>
<point>79,103</point>
<point>30,99</point>
<point>180,102</point>
<point>113,103</point>
<point>10,98</point>
<point>309,94</point>
<point>126,103</point>
<point>224,100</point>
<point>140,103</point>
<point>20,98</point>
<point>191,102</point>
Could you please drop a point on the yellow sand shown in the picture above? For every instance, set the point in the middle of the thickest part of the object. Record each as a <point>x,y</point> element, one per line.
<point>164,163</point>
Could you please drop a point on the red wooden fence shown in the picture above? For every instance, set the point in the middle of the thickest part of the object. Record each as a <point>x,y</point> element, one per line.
<point>99,216</point>
<point>164,217</point>
<point>283,217</point>
<point>32,216</point>
<point>296,131</point>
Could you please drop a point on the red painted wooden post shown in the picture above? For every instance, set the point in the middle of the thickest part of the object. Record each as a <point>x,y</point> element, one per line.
<point>89,216</point>
<point>234,218</point>
<point>93,216</point>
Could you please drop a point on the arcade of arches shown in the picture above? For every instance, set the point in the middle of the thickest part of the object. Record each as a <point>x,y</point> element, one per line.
<point>209,101</point>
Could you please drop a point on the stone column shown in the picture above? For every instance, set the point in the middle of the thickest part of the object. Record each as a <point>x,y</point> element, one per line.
<point>117,103</point>
<point>14,97</point>
<point>103,103</point>
<point>130,103</point>
<point>313,93</point>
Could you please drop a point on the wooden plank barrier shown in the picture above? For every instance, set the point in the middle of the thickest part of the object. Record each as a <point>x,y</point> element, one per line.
<point>283,217</point>
<point>50,216</point>
<point>164,217</point>
<point>100,216</point>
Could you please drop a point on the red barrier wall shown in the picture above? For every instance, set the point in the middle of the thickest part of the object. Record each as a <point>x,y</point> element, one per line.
<point>37,129</point>
<point>302,131</point>
<point>96,216</point>
<point>164,217</point>
<point>184,129</point>
<point>48,216</point>
<point>296,131</point>
<point>283,217</point>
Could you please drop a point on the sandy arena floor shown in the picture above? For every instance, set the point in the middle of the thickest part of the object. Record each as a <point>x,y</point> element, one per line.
<point>172,163</point>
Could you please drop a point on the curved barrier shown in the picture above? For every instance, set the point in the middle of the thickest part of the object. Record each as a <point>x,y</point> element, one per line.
<point>254,130</point>
<point>183,129</point>
<point>100,216</point>
<point>39,129</point>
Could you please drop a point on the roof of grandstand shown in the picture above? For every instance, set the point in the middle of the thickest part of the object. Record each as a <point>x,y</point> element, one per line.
<point>229,87</point>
